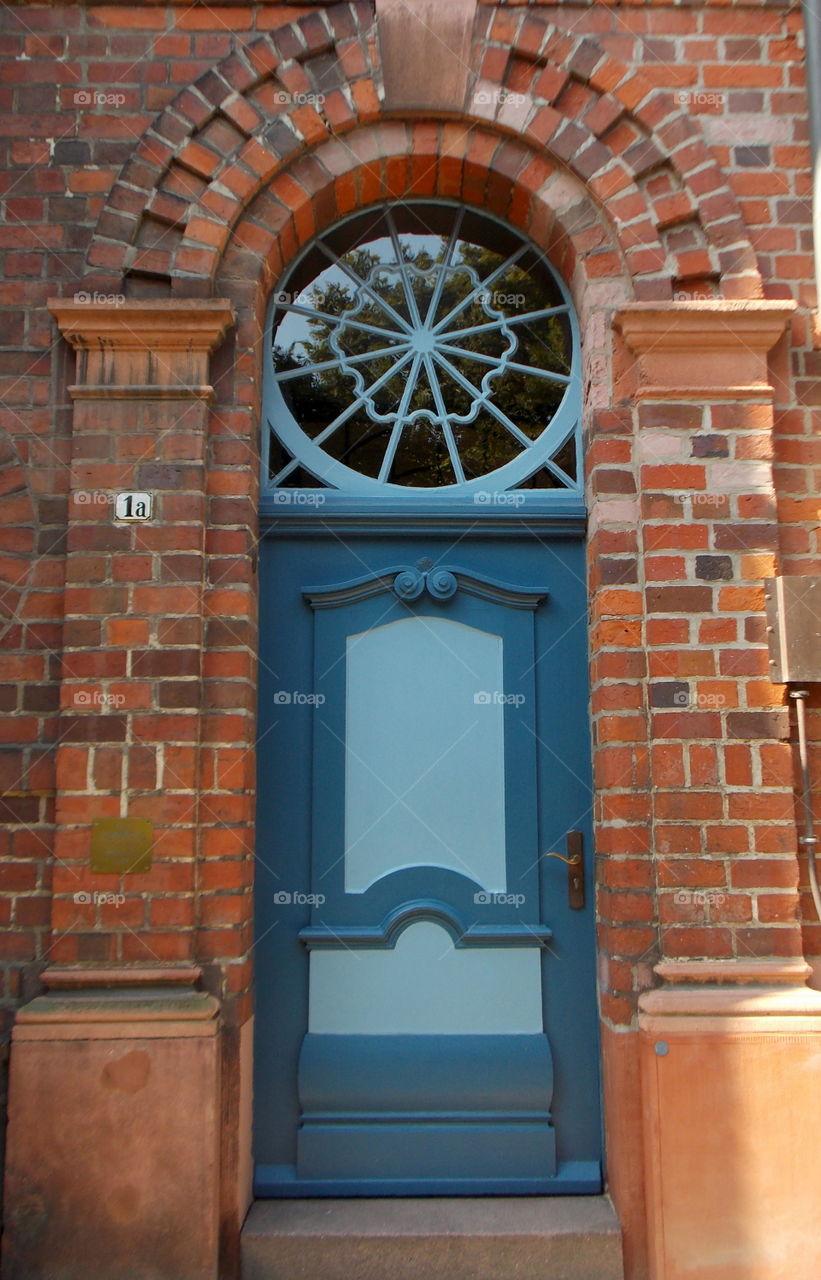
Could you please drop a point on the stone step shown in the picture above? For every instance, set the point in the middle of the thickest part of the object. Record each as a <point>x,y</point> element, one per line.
<point>481,1238</point>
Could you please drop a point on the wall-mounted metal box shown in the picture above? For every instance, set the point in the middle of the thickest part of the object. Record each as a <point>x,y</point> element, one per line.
<point>794,628</point>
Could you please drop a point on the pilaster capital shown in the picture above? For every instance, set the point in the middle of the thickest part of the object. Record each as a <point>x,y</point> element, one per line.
<point>143,348</point>
<point>703,350</point>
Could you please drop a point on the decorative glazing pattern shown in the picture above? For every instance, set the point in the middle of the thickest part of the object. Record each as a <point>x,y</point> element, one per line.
<point>423,346</point>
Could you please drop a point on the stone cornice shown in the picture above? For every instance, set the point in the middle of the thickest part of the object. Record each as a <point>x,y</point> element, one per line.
<point>80,996</point>
<point>85,977</point>
<point>713,322</point>
<point>793,972</point>
<point>176,324</point>
<point>143,344</point>
<point>699,350</point>
<point>738,990</point>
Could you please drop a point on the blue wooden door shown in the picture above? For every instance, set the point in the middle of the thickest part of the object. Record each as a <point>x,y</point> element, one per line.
<point>426,1012</point>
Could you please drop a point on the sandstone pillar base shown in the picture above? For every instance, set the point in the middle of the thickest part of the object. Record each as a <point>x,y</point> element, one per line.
<point>731,1080</point>
<point>113,1137</point>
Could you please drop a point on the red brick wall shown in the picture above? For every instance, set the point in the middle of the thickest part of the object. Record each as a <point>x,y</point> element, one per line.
<point>738,70</point>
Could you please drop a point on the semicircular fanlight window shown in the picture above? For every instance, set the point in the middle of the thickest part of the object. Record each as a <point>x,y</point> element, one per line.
<point>423,346</point>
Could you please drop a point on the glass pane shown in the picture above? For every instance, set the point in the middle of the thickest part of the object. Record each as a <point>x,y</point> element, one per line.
<point>425,986</point>
<point>422,458</point>
<point>485,445</point>
<point>424,762</point>
<point>360,443</point>
<point>544,478</point>
<point>530,402</point>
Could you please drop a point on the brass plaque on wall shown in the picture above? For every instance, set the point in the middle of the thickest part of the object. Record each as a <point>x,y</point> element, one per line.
<point>121,845</point>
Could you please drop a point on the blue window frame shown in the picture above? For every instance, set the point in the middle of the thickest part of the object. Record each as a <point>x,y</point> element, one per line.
<point>422,355</point>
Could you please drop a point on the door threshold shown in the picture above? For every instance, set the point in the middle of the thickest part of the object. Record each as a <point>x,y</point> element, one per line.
<point>452,1238</point>
<point>572,1178</point>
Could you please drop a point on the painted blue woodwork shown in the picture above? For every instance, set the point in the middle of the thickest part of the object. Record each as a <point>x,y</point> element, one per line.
<point>491,613</point>
<point>555,513</point>
<point>423,1106</point>
<point>415,366</point>
<point>409,584</point>
<point>346,1137</point>
<point>396,1076</point>
<point>463,935</point>
<point>572,1178</point>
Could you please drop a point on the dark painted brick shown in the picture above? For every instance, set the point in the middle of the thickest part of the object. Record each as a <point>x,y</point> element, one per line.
<point>281,140</point>
<point>710,447</point>
<point>753,157</point>
<point>758,724</point>
<point>714,568</point>
<point>615,571</point>
<point>672,693</point>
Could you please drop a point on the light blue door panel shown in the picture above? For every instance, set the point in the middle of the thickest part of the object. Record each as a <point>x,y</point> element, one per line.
<point>433,822</point>
<point>426,1016</point>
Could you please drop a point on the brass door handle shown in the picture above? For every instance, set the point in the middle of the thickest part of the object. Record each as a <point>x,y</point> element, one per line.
<point>575,869</point>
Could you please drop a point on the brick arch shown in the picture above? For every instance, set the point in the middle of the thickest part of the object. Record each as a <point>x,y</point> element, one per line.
<point>401,159</point>
<point>169,218</point>
<point>641,156</point>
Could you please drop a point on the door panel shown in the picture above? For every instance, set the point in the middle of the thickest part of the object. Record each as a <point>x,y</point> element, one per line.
<point>426,1001</point>
<point>420,785</point>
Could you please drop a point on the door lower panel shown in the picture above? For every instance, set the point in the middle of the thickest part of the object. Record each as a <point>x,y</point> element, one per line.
<point>414,1106</point>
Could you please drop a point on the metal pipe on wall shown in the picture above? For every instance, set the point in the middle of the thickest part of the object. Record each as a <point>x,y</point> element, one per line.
<point>812,40</point>
<point>808,840</point>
